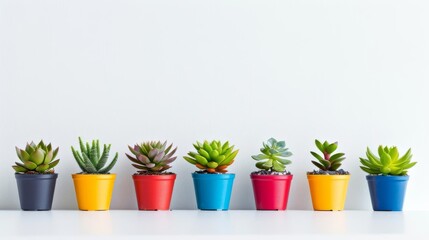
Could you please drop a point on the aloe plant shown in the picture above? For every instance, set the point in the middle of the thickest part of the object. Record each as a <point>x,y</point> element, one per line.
<point>273,156</point>
<point>329,161</point>
<point>388,162</point>
<point>152,157</point>
<point>36,158</point>
<point>90,158</point>
<point>212,157</point>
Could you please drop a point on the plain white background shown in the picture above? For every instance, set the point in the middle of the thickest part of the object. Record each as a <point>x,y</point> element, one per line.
<point>240,70</point>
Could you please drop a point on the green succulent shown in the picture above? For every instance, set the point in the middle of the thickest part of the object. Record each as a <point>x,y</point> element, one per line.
<point>388,163</point>
<point>90,158</point>
<point>213,157</point>
<point>273,157</point>
<point>329,161</point>
<point>36,158</point>
<point>152,156</point>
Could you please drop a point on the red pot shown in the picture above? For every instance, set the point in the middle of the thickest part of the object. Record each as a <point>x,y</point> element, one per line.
<point>271,191</point>
<point>154,191</point>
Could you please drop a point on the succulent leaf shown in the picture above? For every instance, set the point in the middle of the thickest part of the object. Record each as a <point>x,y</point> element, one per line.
<point>388,162</point>
<point>273,156</point>
<point>89,159</point>
<point>36,158</point>
<point>329,161</point>
<point>154,156</point>
<point>213,156</point>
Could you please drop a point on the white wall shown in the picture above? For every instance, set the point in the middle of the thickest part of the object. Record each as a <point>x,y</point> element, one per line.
<point>239,70</point>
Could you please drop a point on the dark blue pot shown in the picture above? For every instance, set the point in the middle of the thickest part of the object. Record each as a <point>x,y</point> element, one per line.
<point>387,192</point>
<point>36,191</point>
<point>213,191</point>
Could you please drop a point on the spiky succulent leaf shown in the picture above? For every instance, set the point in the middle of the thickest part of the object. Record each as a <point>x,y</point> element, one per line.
<point>89,159</point>
<point>213,156</point>
<point>388,162</point>
<point>273,156</point>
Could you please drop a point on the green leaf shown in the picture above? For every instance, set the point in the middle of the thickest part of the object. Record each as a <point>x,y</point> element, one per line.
<point>30,165</point>
<point>37,156</point>
<point>48,157</point>
<point>336,156</point>
<point>284,161</point>
<point>111,165</point>
<point>82,146</point>
<point>385,158</point>
<point>268,164</point>
<point>278,167</point>
<point>25,156</point>
<point>331,148</point>
<point>260,165</point>
<point>207,146</point>
<point>104,156</point>
<point>212,164</point>
<point>201,160</point>
<point>319,145</point>
<point>335,166</point>
<point>320,166</point>
<point>214,154</point>
<point>19,169</point>
<point>369,170</point>
<point>394,154</point>
<point>260,157</point>
<point>190,160</point>
<point>55,153</point>
<point>410,165</point>
<point>229,158</point>
<point>53,164</point>
<point>42,168</point>
<point>89,167</point>
<point>320,158</point>
<point>78,159</point>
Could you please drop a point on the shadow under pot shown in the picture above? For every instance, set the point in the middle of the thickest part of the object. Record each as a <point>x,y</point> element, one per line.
<point>36,191</point>
<point>387,192</point>
<point>213,191</point>
<point>93,191</point>
<point>328,192</point>
<point>154,192</point>
<point>271,192</point>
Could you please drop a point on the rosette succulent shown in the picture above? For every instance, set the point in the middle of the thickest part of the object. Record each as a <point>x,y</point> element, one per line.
<point>152,156</point>
<point>273,156</point>
<point>329,161</point>
<point>212,157</point>
<point>38,158</point>
<point>91,159</point>
<point>388,162</point>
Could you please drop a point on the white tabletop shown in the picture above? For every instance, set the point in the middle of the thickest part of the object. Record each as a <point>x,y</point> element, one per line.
<point>119,224</point>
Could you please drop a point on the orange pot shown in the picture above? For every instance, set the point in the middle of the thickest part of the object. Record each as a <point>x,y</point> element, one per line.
<point>93,191</point>
<point>328,192</point>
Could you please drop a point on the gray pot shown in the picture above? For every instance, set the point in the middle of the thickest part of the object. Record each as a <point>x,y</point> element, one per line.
<point>36,191</point>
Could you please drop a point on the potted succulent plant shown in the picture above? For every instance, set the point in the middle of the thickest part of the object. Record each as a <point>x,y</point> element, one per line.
<point>213,185</point>
<point>35,176</point>
<point>271,184</point>
<point>94,185</point>
<point>328,185</point>
<point>154,186</point>
<point>387,179</point>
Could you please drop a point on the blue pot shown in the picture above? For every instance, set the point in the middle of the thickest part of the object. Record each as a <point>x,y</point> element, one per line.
<point>387,192</point>
<point>213,191</point>
<point>36,191</point>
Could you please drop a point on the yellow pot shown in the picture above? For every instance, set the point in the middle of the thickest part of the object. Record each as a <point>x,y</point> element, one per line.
<point>328,192</point>
<point>93,191</point>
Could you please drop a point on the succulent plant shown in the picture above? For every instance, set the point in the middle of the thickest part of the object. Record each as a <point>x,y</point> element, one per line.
<point>152,156</point>
<point>213,157</point>
<point>273,156</point>
<point>91,159</point>
<point>388,163</point>
<point>329,161</point>
<point>36,158</point>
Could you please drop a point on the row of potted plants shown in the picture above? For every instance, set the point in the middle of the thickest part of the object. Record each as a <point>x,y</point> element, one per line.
<point>36,178</point>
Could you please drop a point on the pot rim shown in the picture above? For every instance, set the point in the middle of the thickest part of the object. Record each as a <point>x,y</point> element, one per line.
<point>337,177</point>
<point>223,176</point>
<point>159,177</point>
<point>36,176</point>
<point>273,177</point>
<point>387,178</point>
<point>93,176</point>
